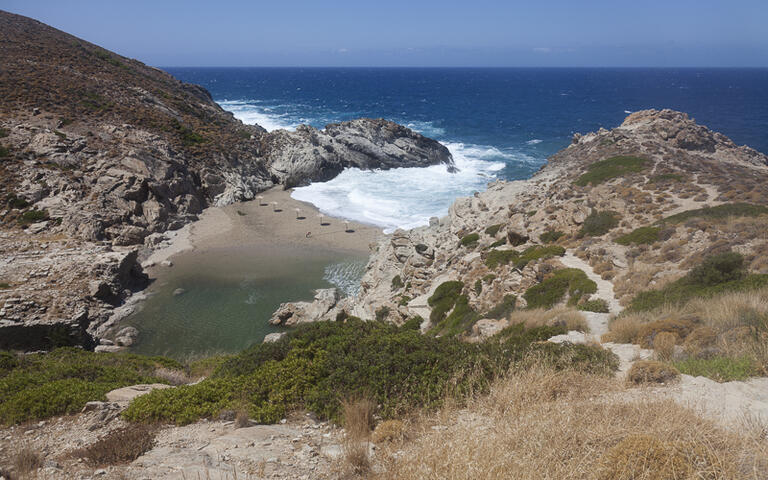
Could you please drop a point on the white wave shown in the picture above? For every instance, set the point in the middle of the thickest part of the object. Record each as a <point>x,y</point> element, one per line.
<point>250,113</point>
<point>535,141</point>
<point>407,197</point>
<point>627,111</point>
<point>345,275</point>
<point>427,129</point>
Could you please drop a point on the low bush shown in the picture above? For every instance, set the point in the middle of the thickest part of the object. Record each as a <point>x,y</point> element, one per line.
<point>651,371</point>
<point>666,177</point>
<point>719,212</point>
<point>651,458</point>
<point>538,252</point>
<point>459,321</point>
<point>382,313</point>
<point>647,332</point>
<point>3,133</point>
<point>27,460</point>
<point>598,224</point>
<point>498,243</point>
<point>597,305</point>
<point>611,168</point>
<point>388,431</point>
<point>664,345</point>
<point>397,283</point>
<point>443,300</point>
<point>552,290</point>
<point>715,275</point>
<point>551,236</point>
<point>496,258</point>
<point>33,216</point>
<point>123,445</point>
<point>317,365</point>
<point>470,240</point>
<point>640,236</point>
<point>17,202</point>
<point>41,385</point>
<point>503,309</point>
<point>700,340</point>
<point>4,152</point>
<point>719,368</point>
<point>494,229</point>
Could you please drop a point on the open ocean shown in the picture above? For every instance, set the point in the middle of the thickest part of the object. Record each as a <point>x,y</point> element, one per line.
<point>498,122</point>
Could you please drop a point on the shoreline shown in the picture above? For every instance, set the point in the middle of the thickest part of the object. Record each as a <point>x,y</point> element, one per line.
<point>255,229</point>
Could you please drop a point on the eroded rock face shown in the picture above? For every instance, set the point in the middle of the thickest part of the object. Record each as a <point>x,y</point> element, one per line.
<point>294,313</point>
<point>95,172</point>
<point>307,155</point>
<point>687,167</point>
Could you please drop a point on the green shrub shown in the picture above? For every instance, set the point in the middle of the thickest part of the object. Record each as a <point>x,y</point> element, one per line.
<point>4,285</point>
<point>666,177</point>
<point>597,305</point>
<point>599,223</point>
<point>17,202</point>
<point>719,212</point>
<point>459,321</point>
<point>61,382</point>
<point>443,300</point>
<point>504,308</point>
<point>470,240</point>
<point>397,283</point>
<point>494,229</point>
<point>716,269</point>
<point>489,278</point>
<point>611,168</point>
<point>551,291</point>
<point>720,369</point>
<point>3,133</point>
<point>538,252</point>
<point>551,236</point>
<point>421,248</point>
<point>33,216</point>
<point>317,365</point>
<point>714,275</point>
<point>4,152</point>
<point>500,257</point>
<point>382,314</point>
<point>478,286</point>
<point>640,236</point>
<point>498,243</point>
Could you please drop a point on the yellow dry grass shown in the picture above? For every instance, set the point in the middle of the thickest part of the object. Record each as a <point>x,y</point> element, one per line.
<point>545,424</point>
<point>568,317</point>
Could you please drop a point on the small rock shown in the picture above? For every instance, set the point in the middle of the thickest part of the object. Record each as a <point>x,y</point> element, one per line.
<point>166,263</point>
<point>178,291</point>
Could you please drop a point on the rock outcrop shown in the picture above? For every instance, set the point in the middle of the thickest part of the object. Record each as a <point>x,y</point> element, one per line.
<point>307,155</point>
<point>683,167</point>
<point>101,154</point>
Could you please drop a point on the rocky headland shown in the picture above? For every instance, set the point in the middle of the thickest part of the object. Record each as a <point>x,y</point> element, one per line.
<point>102,154</point>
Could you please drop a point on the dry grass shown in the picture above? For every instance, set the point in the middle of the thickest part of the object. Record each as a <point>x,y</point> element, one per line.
<point>568,317</point>
<point>651,371</point>
<point>664,345</point>
<point>388,431</point>
<point>174,377</point>
<point>553,425</point>
<point>733,324</point>
<point>358,421</point>
<point>123,445</point>
<point>26,461</point>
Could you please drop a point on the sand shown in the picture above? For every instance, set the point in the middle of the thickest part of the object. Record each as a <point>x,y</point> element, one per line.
<point>271,221</point>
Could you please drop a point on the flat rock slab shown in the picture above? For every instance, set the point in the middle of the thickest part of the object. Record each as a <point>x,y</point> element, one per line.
<point>127,394</point>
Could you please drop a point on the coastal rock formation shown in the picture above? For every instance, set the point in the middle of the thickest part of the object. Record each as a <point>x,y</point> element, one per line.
<point>306,155</point>
<point>512,236</point>
<point>100,154</point>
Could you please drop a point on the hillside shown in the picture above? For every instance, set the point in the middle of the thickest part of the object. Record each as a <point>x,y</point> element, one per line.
<point>101,154</point>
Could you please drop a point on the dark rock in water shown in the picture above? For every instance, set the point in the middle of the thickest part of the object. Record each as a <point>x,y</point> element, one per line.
<point>307,155</point>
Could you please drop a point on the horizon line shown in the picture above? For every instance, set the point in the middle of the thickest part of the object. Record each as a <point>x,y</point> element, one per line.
<point>750,67</point>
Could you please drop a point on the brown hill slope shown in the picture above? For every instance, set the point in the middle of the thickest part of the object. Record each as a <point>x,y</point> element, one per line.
<point>99,152</point>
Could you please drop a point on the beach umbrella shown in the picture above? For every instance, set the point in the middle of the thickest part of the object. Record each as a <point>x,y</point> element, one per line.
<point>298,212</point>
<point>321,217</point>
<point>346,225</point>
<point>261,200</point>
<point>274,206</point>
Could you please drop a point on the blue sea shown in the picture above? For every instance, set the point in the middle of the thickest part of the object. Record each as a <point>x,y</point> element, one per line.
<point>498,123</point>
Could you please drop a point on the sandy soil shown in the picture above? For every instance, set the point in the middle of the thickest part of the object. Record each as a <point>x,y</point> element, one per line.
<point>271,220</point>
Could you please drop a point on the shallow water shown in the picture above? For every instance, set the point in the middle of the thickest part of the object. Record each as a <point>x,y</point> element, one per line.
<point>229,295</point>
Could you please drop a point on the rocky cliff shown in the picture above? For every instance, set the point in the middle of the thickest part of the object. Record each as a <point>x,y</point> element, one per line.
<point>100,154</point>
<point>639,205</point>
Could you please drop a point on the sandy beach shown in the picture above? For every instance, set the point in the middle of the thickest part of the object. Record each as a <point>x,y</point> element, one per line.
<point>270,221</point>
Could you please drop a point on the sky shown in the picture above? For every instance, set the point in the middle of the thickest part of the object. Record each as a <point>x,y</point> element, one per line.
<point>426,33</point>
